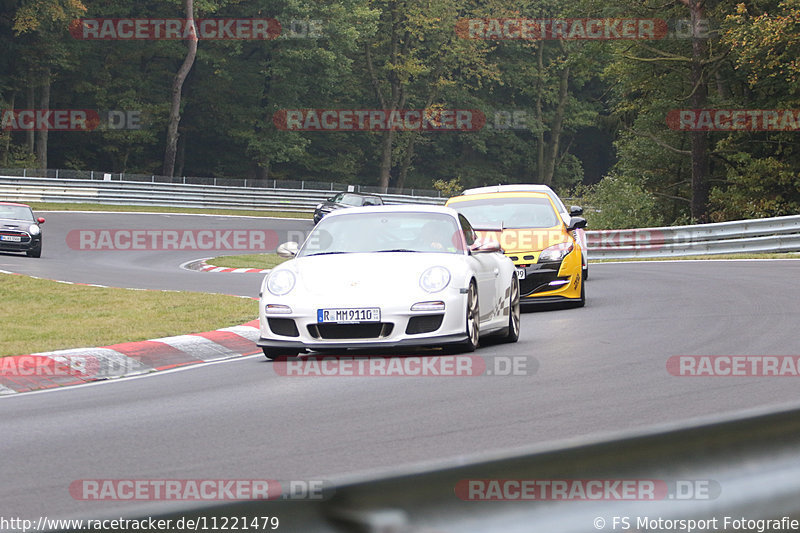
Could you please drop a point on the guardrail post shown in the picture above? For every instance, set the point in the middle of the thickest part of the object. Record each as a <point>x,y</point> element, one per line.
<point>302,184</point>
<point>24,172</point>
<point>56,173</point>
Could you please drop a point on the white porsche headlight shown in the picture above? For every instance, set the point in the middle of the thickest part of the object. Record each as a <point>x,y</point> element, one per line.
<point>280,282</point>
<point>34,229</point>
<point>556,252</point>
<point>434,279</point>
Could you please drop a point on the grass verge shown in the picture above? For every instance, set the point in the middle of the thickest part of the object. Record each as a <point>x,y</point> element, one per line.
<point>40,315</point>
<point>704,257</point>
<point>52,206</point>
<point>247,261</point>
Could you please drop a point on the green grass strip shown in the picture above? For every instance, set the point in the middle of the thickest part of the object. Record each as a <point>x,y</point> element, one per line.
<point>40,315</point>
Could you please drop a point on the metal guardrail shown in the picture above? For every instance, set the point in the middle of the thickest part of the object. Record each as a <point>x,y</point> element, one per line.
<point>778,234</point>
<point>751,466</point>
<point>174,195</point>
<point>95,175</point>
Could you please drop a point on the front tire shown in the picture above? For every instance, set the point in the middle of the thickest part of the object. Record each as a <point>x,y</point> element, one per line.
<point>472,324</point>
<point>582,301</point>
<point>514,318</point>
<point>36,251</point>
<point>274,353</point>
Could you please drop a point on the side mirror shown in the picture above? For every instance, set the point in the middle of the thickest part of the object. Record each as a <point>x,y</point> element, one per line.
<point>576,223</point>
<point>288,249</point>
<point>40,220</point>
<point>575,211</point>
<point>482,247</point>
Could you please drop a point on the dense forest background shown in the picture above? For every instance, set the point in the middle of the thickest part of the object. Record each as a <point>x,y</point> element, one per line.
<point>587,117</point>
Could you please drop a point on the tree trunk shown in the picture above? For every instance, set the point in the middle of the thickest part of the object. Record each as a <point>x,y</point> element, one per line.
<point>44,103</point>
<point>7,140</point>
<point>556,128</point>
<point>180,158</point>
<point>700,159</point>
<point>262,173</point>
<point>30,135</point>
<point>539,118</point>
<point>177,86</point>
<point>407,158</point>
<point>397,100</point>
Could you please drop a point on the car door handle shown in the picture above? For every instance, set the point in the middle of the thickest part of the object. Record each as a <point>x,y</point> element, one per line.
<point>496,272</point>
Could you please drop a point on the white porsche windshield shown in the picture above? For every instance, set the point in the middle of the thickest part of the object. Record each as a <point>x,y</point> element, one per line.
<point>384,232</point>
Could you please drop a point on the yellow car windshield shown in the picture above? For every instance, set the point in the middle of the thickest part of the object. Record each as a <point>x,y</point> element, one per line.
<point>496,213</point>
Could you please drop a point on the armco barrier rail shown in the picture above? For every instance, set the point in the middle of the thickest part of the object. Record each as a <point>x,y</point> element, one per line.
<point>68,174</point>
<point>173,195</point>
<point>779,234</point>
<point>745,468</point>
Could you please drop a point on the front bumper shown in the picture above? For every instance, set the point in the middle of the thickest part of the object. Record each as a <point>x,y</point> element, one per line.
<point>398,326</point>
<point>552,282</point>
<point>410,342</point>
<point>26,243</point>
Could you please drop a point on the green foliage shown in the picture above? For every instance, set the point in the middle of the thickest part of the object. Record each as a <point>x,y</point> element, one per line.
<point>618,202</point>
<point>448,188</point>
<point>757,188</point>
<point>407,54</point>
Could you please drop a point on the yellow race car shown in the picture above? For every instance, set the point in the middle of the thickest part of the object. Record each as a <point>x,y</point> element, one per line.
<point>534,235</point>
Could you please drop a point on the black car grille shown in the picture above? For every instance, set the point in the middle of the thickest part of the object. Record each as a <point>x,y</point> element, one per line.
<point>423,324</point>
<point>538,278</point>
<point>283,326</point>
<point>371,330</point>
<point>25,237</point>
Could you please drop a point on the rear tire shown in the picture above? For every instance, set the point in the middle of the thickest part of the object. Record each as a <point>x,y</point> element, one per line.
<point>274,353</point>
<point>514,318</point>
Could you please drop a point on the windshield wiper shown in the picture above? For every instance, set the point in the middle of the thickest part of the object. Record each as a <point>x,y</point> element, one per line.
<point>326,253</point>
<point>396,250</point>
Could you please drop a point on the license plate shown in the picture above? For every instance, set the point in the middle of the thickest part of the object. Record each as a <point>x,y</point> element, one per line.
<point>520,273</point>
<point>12,238</point>
<point>354,315</point>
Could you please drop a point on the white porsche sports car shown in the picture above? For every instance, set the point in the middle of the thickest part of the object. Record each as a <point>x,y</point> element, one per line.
<point>372,277</point>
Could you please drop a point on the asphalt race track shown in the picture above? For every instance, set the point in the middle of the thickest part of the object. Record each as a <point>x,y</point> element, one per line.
<point>152,269</point>
<point>598,371</point>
